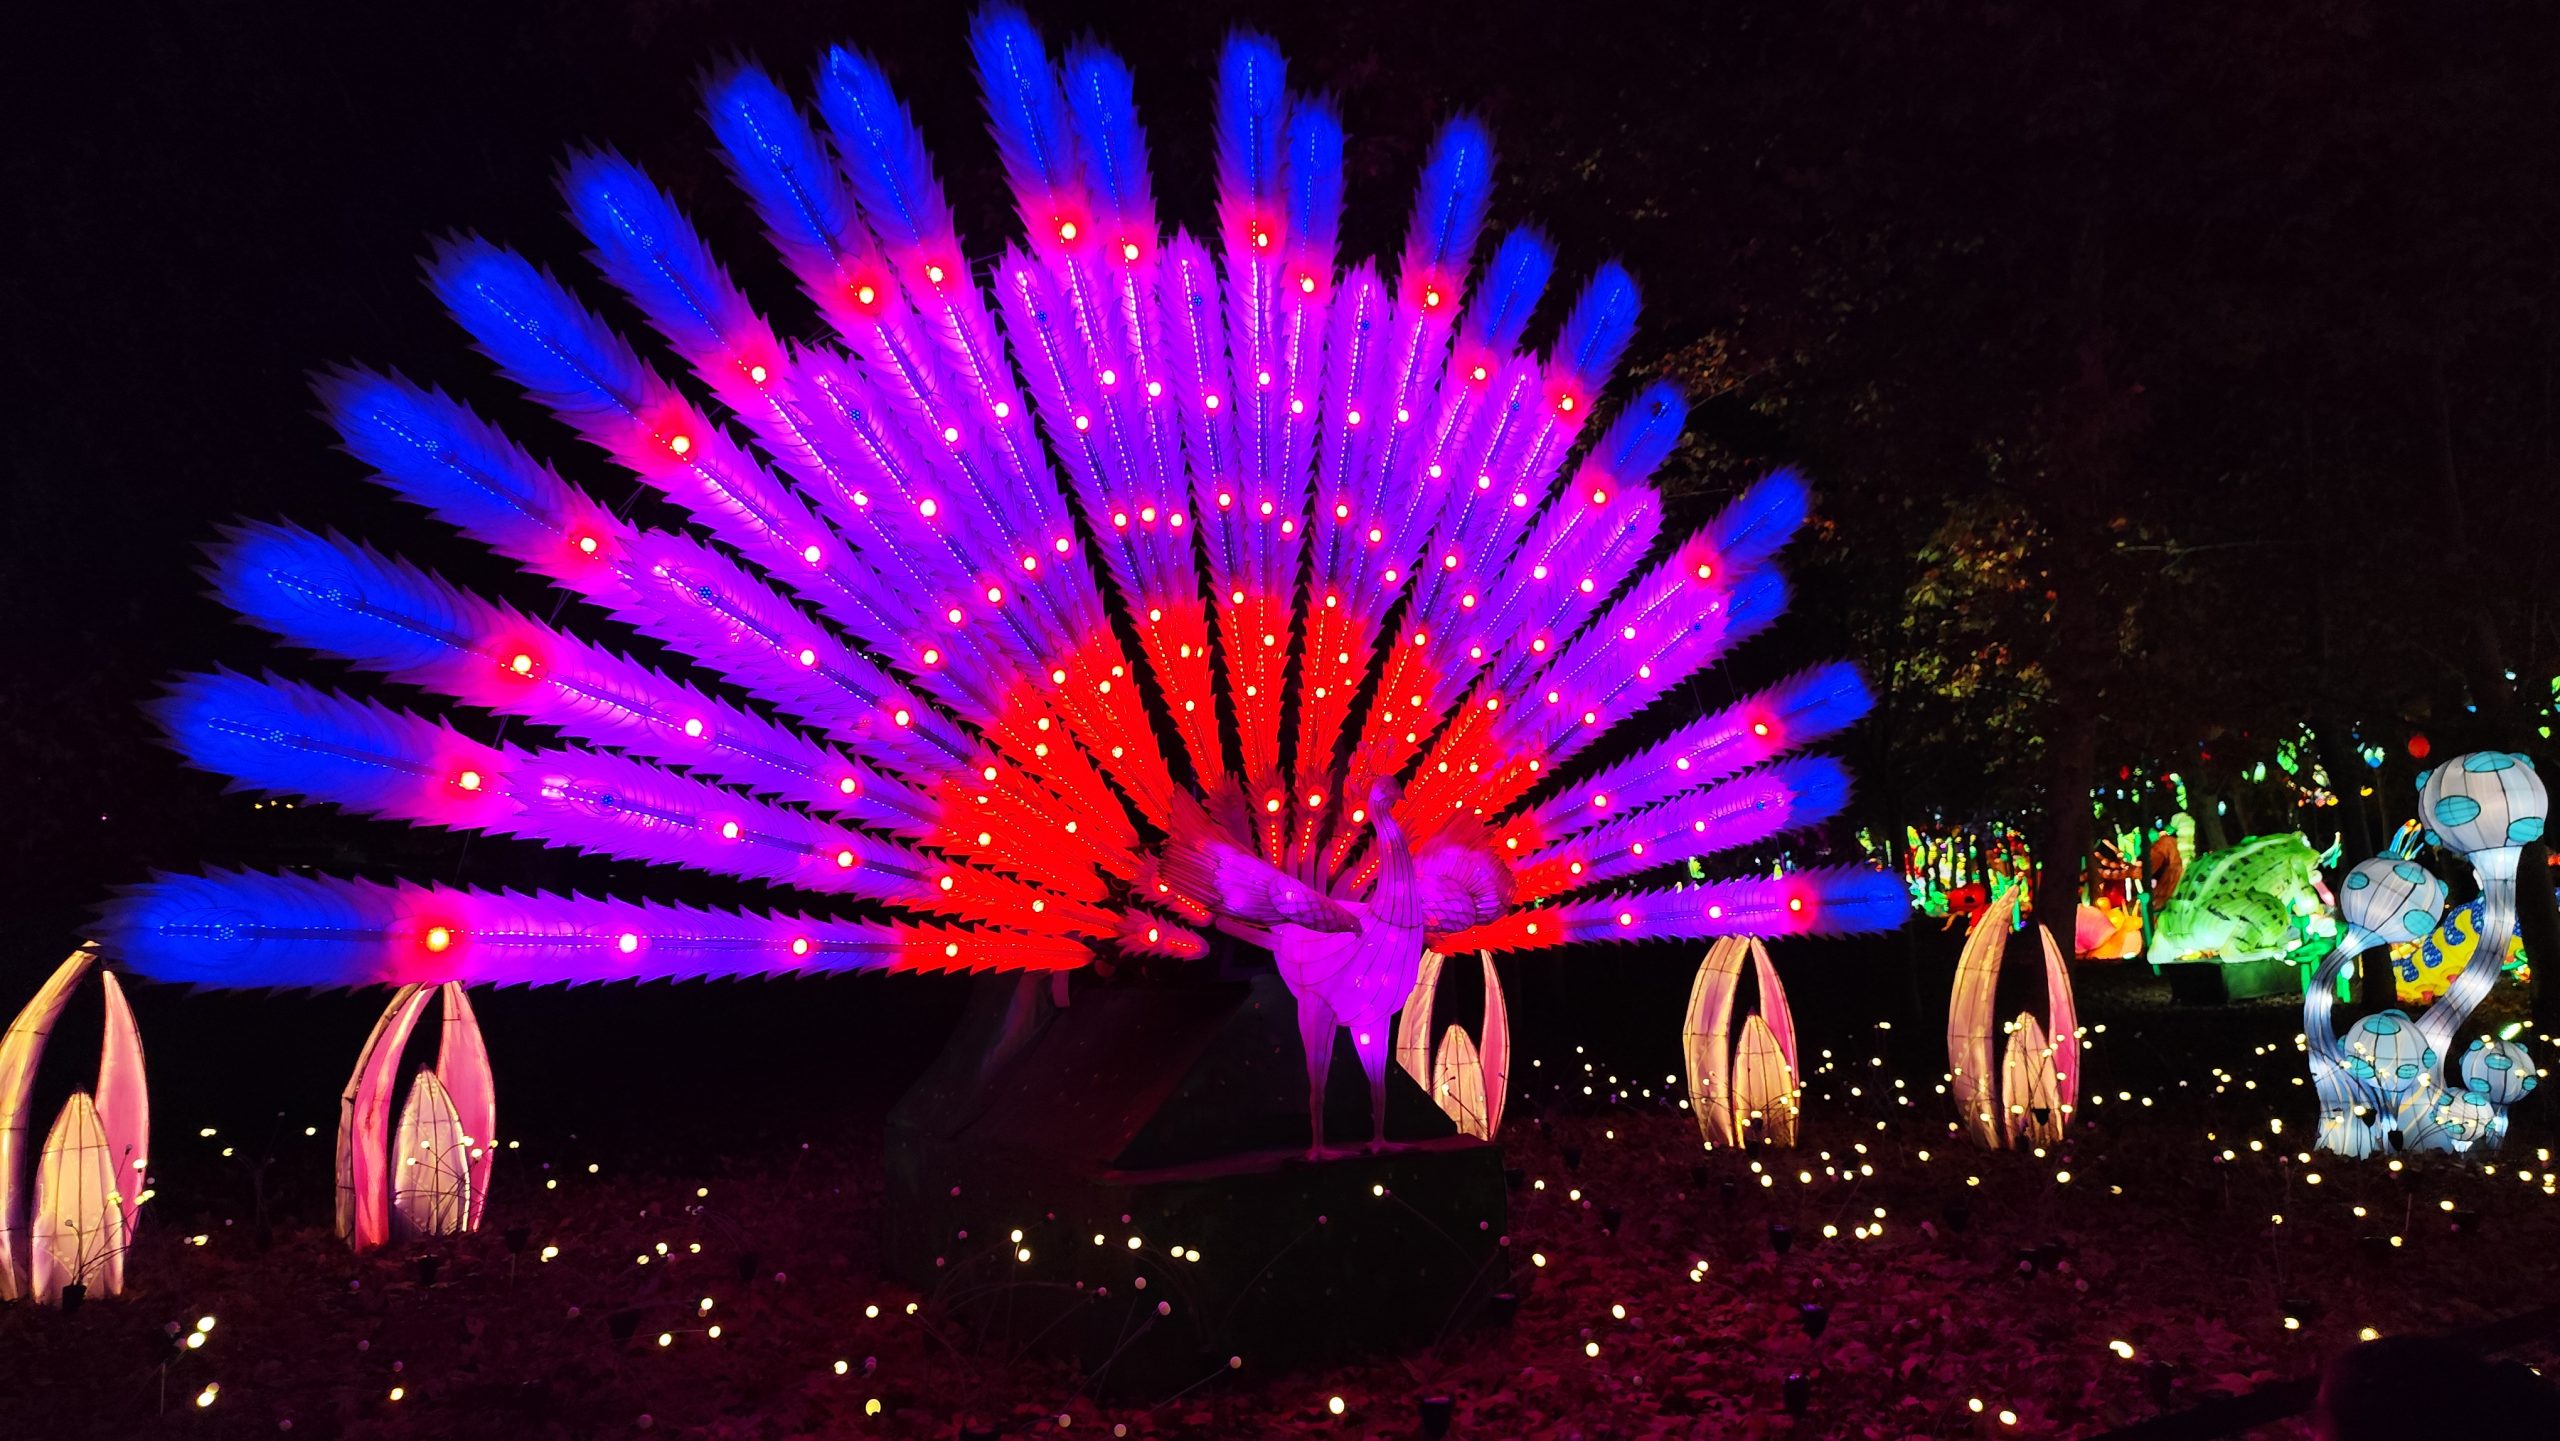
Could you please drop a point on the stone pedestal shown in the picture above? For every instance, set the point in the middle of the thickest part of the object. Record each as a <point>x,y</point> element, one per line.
<point>1176,1115</point>
<point>2211,983</point>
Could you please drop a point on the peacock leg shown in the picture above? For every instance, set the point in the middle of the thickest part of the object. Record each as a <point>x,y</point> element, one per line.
<point>1316,1026</point>
<point>1369,1039</point>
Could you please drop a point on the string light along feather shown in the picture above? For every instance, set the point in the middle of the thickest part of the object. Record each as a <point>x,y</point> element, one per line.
<point>1134,585</point>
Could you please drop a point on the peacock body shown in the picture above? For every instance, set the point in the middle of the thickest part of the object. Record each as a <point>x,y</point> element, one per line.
<point>1133,585</point>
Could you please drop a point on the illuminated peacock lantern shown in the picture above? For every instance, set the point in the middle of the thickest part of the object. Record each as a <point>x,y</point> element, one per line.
<point>1122,587</point>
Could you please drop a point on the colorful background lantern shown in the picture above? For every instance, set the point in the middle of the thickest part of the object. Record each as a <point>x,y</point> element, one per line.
<point>1023,567</point>
<point>2422,970</point>
<point>2261,900</point>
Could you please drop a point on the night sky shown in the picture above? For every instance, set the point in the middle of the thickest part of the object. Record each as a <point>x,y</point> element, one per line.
<point>207,206</point>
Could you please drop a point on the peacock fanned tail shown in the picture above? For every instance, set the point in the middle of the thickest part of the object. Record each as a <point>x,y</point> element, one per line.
<point>1090,598</point>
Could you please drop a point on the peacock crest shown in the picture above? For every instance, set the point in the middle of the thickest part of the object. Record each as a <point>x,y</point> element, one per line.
<point>1129,585</point>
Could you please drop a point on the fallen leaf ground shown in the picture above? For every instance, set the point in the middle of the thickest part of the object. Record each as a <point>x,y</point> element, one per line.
<point>719,1287</point>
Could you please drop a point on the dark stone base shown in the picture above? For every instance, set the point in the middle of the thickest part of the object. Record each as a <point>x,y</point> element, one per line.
<point>1177,1115</point>
<point>2211,983</point>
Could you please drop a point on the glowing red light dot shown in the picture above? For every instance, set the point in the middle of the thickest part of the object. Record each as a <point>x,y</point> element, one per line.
<point>520,663</point>
<point>438,938</point>
<point>468,780</point>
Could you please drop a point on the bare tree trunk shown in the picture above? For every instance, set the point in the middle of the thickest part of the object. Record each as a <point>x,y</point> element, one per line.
<point>2486,671</point>
<point>2082,664</point>
<point>2071,759</point>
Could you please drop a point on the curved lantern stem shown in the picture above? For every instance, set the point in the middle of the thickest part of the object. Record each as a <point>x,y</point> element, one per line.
<point>2343,1131</point>
<point>364,1123</point>
<point>2497,872</point>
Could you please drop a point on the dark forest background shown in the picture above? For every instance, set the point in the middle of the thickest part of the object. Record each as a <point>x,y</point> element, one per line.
<point>2175,376</point>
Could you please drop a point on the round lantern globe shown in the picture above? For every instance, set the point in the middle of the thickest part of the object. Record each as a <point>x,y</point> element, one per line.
<point>2386,1049</point>
<point>2465,1117</point>
<point>2499,1072</point>
<point>2394,901</point>
<point>2484,803</point>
